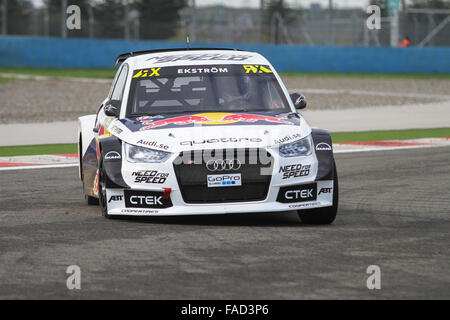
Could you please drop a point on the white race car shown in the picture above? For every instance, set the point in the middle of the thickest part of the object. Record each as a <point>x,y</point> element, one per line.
<point>204,131</point>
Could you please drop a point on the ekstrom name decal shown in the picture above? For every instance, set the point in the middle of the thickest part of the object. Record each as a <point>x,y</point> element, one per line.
<point>295,171</point>
<point>202,70</point>
<point>323,146</point>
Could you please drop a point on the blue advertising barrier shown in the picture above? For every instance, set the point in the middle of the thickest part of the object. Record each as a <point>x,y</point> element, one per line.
<point>96,53</point>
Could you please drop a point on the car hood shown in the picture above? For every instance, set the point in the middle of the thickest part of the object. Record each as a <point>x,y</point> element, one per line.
<point>175,133</point>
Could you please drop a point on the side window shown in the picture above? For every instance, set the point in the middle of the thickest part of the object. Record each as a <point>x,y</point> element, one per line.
<point>117,92</point>
<point>114,82</point>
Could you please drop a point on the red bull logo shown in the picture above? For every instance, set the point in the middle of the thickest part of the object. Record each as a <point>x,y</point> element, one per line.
<point>214,118</point>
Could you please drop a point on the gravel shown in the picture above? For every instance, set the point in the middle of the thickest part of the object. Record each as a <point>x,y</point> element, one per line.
<point>27,101</point>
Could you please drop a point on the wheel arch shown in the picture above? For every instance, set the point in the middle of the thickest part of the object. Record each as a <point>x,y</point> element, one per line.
<point>111,160</point>
<point>323,147</point>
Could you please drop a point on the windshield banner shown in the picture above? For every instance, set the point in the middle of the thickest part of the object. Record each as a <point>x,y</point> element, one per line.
<point>211,70</point>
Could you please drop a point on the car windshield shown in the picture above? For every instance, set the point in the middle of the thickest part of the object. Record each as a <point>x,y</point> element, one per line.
<point>185,89</point>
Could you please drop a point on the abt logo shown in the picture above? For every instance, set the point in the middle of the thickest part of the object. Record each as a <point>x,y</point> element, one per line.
<point>325,190</point>
<point>115,198</point>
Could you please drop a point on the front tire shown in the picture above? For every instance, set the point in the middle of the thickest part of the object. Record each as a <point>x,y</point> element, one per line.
<point>91,201</point>
<point>323,215</point>
<point>102,199</point>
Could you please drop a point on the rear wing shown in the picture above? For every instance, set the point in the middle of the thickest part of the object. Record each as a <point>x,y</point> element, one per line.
<point>124,56</point>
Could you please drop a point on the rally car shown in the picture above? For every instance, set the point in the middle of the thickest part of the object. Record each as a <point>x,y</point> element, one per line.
<point>204,131</point>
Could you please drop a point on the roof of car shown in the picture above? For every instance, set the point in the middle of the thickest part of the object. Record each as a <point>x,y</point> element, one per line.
<point>192,56</point>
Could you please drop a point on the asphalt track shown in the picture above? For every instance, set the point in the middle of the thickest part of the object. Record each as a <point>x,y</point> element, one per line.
<point>394,213</point>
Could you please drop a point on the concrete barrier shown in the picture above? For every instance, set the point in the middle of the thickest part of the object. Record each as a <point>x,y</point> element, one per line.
<point>99,53</point>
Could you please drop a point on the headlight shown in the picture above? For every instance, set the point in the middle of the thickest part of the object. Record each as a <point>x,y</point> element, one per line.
<point>140,154</point>
<point>297,148</point>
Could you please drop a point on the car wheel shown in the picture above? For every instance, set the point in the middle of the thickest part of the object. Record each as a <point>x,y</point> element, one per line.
<point>91,201</point>
<point>323,215</point>
<point>102,192</point>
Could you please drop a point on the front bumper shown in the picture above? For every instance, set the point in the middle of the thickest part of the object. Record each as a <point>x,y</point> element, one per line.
<point>119,202</point>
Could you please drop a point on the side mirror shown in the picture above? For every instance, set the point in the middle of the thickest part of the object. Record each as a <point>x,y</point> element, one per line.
<point>112,108</point>
<point>299,101</point>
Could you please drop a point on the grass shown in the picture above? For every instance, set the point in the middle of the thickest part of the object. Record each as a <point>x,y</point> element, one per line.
<point>38,149</point>
<point>109,73</point>
<point>337,137</point>
<point>390,135</point>
<point>57,73</point>
<point>369,75</point>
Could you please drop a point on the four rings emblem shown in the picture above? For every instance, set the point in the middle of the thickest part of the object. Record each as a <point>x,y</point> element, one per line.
<point>223,165</point>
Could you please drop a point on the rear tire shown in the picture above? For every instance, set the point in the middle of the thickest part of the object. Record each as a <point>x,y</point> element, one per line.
<point>323,215</point>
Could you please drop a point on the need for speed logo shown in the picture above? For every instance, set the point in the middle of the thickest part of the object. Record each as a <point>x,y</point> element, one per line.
<point>149,176</point>
<point>295,171</point>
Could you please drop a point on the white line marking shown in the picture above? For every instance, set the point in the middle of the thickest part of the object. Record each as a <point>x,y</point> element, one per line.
<point>387,148</point>
<point>47,166</point>
<point>46,78</point>
<point>70,165</point>
<point>371,93</point>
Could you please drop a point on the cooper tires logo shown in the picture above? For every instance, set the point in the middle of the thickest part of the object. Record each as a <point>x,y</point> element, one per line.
<point>113,155</point>
<point>223,165</point>
<point>323,146</point>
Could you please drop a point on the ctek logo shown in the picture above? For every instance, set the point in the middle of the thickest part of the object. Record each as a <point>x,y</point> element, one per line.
<point>325,190</point>
<point>299,193</point>
<point>112,155</point>
<point>323,146</point>
<point>146,200</point>
<point>115,198</point>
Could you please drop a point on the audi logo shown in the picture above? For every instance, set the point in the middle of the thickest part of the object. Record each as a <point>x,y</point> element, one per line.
<point>223,165</point>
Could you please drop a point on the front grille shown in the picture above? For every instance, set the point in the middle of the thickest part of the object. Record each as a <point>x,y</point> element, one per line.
<point>191,172</point>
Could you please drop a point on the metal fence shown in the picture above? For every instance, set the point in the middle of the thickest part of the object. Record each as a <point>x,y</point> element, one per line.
<point>303,26</point>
